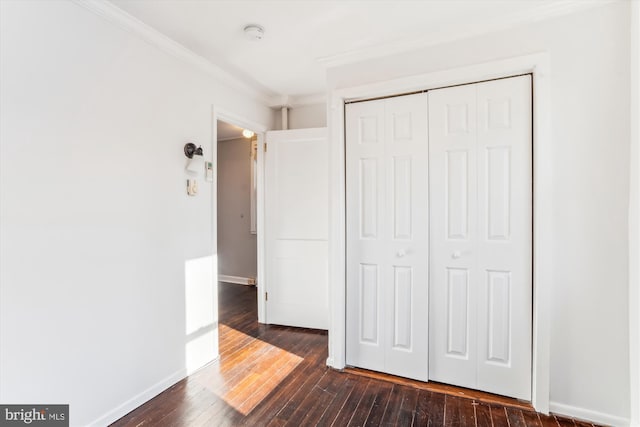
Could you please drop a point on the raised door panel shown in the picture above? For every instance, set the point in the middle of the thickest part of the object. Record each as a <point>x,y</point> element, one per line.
<point>406,287</point>
<point>452,190</point>
<point>366,192</point>
<point>505,231</point>
<point>368,213</point>
<point>480,174</point>
<point>387,235</point>
<point>368,309</point>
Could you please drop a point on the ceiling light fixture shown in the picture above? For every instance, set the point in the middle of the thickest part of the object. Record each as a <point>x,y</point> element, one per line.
<point>254,32</point>
<point>247,133</point>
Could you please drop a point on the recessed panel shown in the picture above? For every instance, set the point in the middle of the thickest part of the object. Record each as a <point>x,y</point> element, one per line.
<point>499,336</point>
<point>457,311</point>
<point>369,303</point>
<point>403,287</point>
<point>457,195</point>
<point>498,113</point>
<point>402,126</point>
<point>457,119</point>
<point>498,193</point>
<point>368,198</point>
<point>402,198</point>
<point>368,129</point>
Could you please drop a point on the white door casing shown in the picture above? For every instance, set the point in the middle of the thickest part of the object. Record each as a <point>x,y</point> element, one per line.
<point>387,240</point>
<point>296,227</point>
<point>539,66</point>
<point>481,236</point>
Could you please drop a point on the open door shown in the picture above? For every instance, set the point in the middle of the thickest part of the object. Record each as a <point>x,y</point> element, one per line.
<point>297,227</point>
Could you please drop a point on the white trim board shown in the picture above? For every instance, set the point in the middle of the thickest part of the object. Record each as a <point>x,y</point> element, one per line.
<point>587,415</point>
<point>634,220</point>
<point>139,399</point>
<point>238,280</point>
<point>538,66</point>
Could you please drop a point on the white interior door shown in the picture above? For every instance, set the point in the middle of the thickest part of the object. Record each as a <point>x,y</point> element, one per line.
<point>481,236</point>
<point>387,240</point>
<point>296,227</point>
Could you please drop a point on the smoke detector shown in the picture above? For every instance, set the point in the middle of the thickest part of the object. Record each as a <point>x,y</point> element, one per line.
<point>254,32</point>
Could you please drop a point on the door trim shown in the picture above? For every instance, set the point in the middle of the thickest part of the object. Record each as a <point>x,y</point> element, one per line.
<point>539,66</point>
<point>259,129</point>
<point>634,222</point>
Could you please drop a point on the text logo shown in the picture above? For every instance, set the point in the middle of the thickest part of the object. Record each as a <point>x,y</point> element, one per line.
<point>34,415</point>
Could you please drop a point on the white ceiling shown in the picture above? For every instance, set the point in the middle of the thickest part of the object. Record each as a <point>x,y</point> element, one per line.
<point>303,37</point>
<point>228,131</point>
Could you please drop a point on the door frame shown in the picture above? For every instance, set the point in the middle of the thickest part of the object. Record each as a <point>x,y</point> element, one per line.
<point>539,66</point>
<point>260,130</point>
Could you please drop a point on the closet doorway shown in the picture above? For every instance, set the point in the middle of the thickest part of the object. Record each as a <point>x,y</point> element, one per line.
<point>439,235</point>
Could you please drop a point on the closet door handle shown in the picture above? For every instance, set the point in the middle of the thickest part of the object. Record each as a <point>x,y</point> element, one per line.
<point>401,253</point>
<point>456,254</point>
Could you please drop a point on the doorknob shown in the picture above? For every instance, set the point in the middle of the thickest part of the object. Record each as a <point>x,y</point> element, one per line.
<point>456,254</point>
<point>401,253</point>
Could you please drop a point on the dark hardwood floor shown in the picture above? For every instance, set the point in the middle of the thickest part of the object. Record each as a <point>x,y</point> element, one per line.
<point>276,376</point>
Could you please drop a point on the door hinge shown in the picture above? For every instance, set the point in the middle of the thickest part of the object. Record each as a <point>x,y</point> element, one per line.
<point>265,147</point>
<point>266,296</point>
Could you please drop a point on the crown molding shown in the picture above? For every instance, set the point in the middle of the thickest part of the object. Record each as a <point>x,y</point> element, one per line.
<point>472,29</point>
<point>114,14</point>
<point>301,101</point>
<point>289,101</point>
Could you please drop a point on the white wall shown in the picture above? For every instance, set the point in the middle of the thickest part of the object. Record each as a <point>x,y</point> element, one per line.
<point>101,249</point>
<point>589,54</point>
<point>304,117</point>
<point>634,219</point>
<point>237,247</point>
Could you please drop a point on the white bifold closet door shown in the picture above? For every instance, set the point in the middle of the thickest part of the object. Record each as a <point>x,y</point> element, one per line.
<point>387,235</point>
<point>481,236</point>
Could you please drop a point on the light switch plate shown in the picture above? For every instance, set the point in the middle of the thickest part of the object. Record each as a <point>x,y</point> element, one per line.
<point>192,187</point>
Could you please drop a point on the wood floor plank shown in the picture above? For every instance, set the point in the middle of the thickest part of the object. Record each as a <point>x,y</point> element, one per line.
<point>362,411</point>
<point>483,415</point>
<point>316,403</point>
<point>408,407</point>
<point>297,397</point>
<point>350,404</point>
<point>379,405</point>
<point>277,375</point>
<point>499,416</point>
<point>548,420</point>
<point>565,422</point>
<point>390,416</point>
<point>429,409</point>
<point>531,419</point>
<point>458,412</point>
<point>515,417</point>
<point>331,412</point>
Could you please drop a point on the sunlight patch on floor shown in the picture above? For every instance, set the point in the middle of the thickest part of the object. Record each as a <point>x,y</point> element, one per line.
<point>248,370</point>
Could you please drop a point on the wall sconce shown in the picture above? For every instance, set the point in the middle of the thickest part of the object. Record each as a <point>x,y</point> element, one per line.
<point>195,156</point>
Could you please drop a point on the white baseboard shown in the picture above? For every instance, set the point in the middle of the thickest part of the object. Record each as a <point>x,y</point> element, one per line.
<point>131,404</point>
<point>588,415</point>
<point>236,279</point>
